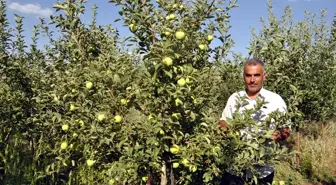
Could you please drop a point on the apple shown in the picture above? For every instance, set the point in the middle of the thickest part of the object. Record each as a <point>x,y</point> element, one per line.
<point>64,145</point>
<point>167,61</point>
<point>72,107</point>
<point>81,122</point>
<point>73,90</point>
<point>210,37</point>
<point>133,27</point>
<point>118,119</point>
<point>167,33</point>
<point>90,162</point>
<point>123,101</point>
<point>202,47</point>
<point>108,72</point>
<point>180,35</point>
<point>175,5</point>
<point>281,182</point>
<point>89,85</point>
<point>170,16</point>
<point>144,178</point>
<point>162,132</point>
<point>181,7</point>
<point>193,168</point>
<point>111,181</point>
<point>101,117</point>
<point>181,82</point>
<point>176,165</point>
<point>178,102</point>
<point>186,162</point>
<point>74,134</point>
<point>65,127</point>
<point>174,149</point>
<point>188,81</point>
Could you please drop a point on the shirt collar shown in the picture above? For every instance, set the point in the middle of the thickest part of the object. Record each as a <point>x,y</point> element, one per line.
<point>262,93</point>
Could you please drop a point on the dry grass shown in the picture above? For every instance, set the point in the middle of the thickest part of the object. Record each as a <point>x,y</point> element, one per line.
<point>319,154</point>
<point>318,157</point>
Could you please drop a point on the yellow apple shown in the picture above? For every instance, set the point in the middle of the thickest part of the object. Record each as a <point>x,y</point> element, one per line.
<point>180,35</point>
<point>89,85</point>
<point>64,145</point>
<point>181,82</point>
<point>133,27</point>
<point>65,127</point>
<point>174,149</point>
<point>167,61</point>
<point>101,117</point>
<point>90,162</point>
<point>118,118</point>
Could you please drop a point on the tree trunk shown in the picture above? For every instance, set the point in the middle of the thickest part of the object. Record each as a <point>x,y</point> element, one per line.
<point>298,147</point>
<point>164,173</point>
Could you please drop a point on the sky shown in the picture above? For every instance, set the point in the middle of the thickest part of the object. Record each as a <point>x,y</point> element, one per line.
<point>243,18</point>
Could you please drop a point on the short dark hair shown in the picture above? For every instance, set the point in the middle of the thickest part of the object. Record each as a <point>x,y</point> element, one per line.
<point>254,62</point>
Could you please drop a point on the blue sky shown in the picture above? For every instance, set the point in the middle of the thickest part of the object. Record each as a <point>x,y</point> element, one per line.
<point>243,18</point>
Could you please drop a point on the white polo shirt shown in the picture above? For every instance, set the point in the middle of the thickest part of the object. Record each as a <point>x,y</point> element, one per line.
<point>275,102</point>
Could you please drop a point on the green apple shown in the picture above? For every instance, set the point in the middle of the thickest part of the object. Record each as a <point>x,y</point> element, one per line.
<point>81,123</point>
<point>170,16</point>
<point>210,37</point>
<point>188,81</point>
<point>133,27</point>
<point>186,162</point>
<point>74,134</point>
<point>108,72</point>
<point>180,35</point>
<point>178,102</point>
<point>202,47</point>
<point>90,162</point>
<point>73,90</point>
<point>175,149</point>
<point>64,145</point>
<point>176,165</point>
<point>111,181</point>
<point>193,168</point>
<point>162,132</point>
<point>167,61</point>
<point>175,5</point>
<point>65,127</point>
<point>118,118</point>
<point>181,7</point>
<point>123,101</point>
<point>181,82</point>
<point>101,117</point>
<point>167,33</point>
<point>72,107</point>
<point>144,178</point>
<point>89,85</point>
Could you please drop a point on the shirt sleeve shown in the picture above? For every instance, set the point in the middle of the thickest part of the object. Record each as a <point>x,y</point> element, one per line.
<point>228,110</point>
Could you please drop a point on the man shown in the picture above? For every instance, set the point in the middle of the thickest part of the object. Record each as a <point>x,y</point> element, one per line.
<point>254,76</point>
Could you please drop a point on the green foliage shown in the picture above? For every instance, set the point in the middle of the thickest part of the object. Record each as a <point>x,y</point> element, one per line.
<point>300,62</point>
<point>85,111</point>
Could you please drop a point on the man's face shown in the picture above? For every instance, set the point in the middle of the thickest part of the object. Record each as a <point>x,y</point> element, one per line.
<point>254,77</point>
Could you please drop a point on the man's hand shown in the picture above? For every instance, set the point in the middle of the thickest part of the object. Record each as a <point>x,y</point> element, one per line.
<point>285,132</point>
<point>281,135</point>
<point>223,125</point>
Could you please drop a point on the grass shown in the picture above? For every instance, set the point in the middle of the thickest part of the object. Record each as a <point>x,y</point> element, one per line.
<point>318,157</point>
